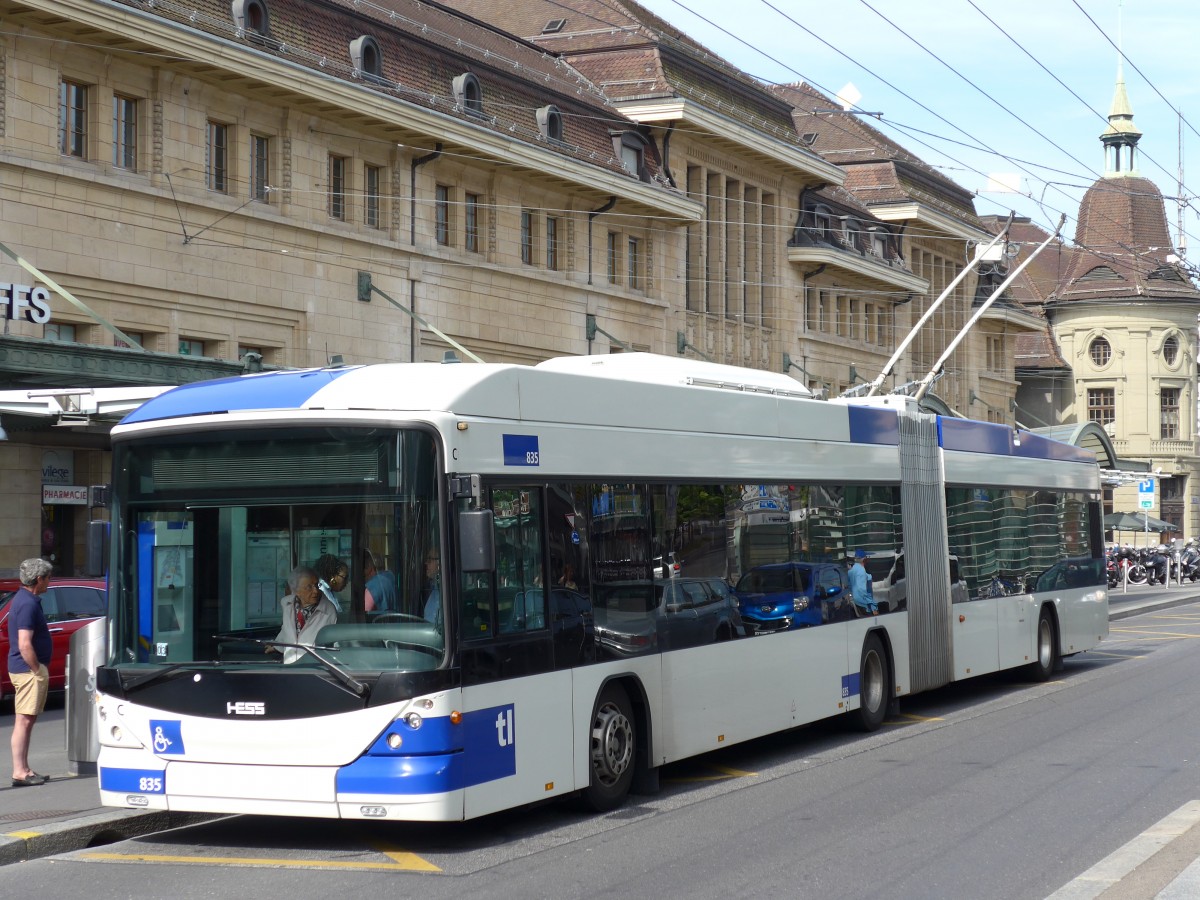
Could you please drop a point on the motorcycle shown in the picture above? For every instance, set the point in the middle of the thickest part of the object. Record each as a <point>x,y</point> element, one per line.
<point>1189,563</point>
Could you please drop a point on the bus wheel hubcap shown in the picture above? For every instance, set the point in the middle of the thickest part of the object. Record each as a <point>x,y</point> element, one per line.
<point>612,744</point>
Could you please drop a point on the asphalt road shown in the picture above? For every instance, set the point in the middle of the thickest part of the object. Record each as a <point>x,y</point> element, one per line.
<point>990,789</point>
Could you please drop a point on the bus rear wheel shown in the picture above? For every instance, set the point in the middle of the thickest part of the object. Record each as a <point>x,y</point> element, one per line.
<point>613,744</point>
<point>873,685</point>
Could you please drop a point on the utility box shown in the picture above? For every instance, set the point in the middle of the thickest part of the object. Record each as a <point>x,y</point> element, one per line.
<point>83,728</point>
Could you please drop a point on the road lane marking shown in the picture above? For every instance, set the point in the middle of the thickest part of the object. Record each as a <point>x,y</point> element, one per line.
<point>1124,860</point>
<point>407,862</point>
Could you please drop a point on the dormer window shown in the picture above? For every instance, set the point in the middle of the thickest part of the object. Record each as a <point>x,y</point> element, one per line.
<point>550,123</point>
<point>366,58</point>
<point>822,223</point>
<point>879,243</point>
<point>468,94</point>
<point>630,149</point>
<point>251,17</point>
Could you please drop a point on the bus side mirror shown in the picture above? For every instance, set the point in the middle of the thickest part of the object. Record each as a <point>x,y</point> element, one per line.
<point>477,539</point>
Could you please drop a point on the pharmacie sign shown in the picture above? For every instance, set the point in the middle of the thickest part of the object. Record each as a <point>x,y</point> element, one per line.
<point>23,301</point>
<point>64,495</point>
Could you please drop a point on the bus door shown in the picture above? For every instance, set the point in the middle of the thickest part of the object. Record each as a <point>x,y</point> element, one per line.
<point>523,748</point>
<point>502,614</point>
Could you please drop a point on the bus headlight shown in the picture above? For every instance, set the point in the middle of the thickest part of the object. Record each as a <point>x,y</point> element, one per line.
<point>799,604</point>
<point>414,720</point>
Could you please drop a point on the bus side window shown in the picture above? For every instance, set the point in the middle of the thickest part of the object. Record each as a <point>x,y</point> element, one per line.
<point>520,597</point>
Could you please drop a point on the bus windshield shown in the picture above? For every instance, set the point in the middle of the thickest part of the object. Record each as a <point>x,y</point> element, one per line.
<point>249,548</point>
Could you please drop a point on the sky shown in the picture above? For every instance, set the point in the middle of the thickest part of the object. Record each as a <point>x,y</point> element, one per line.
<point>1023,96</point>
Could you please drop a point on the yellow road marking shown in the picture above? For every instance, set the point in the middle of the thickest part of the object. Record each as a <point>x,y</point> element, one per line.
<point>1147,632</point>
<point>408,862</point>
<point>1119,655</point>
<point>725,773</point>
<point>917,718</point>
<point>23,835</point>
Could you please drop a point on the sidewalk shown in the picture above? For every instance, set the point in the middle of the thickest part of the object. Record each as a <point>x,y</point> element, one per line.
<point>65,814</point>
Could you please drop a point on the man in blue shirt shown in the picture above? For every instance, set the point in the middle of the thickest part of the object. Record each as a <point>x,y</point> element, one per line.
<point>860,585</point>
<point>30,647</point>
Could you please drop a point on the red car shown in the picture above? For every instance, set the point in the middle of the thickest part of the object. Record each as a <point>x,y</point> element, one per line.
<point>69,604</point>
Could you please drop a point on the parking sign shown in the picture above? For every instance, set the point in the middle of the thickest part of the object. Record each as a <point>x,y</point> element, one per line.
<point>1146,494</point>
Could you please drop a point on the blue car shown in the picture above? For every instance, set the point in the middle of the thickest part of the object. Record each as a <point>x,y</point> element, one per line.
<point>781,596</point>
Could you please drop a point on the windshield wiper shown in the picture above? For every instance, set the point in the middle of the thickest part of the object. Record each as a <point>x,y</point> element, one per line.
<point>149,677</point>
<point>333,668</point>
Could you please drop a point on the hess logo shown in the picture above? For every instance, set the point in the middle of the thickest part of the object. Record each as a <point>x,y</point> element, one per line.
<point>246,708</point>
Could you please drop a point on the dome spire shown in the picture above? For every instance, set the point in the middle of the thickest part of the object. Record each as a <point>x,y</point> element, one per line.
<point>1121,136</point>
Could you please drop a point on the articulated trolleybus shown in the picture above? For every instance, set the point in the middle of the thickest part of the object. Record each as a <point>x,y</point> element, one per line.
<point>539,565</point>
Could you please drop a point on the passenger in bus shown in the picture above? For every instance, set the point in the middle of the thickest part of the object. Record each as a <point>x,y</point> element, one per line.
<point>432,590</point>
<point>860,584</point>
<point>333,575</point>
<point>381,594</point>
<point>305,612</point>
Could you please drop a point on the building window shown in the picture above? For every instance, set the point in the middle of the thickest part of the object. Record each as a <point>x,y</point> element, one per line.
<point>527,237</point>
<point>371,196</point>
<point>1101,352</point>
<point>1168,414</point>
<point>138,338</point>
<point>59,332</point>
<point>1102,405</point>
<point>471,218</point>
<point>337,187</point>
<point>633,264</point>
<point>125,132</point>
<point>216,157</point>
<point>614,257</point>
<point>550,123</point>
<point>468,93</point>
<point>442,214</point>
<point>995,354</point>
<point>367,60</point>
<point>1171,350</point>
<point>191,347</point>
<point>629,147</point>
<point>551,243</point>
<point>260,167</point>
<point>251,16</point>
<point>72,119</point>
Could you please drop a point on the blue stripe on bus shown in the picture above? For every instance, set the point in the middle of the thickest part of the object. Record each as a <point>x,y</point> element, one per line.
<point>986,437</point>
<point>873,426</point>
<point>487,738</point>
<point>274,390</point>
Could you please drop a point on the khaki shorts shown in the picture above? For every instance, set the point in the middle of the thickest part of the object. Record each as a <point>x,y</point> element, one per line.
<point>30,690</point>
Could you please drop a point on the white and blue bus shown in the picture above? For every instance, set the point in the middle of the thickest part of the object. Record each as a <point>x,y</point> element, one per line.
<point>539,560</point>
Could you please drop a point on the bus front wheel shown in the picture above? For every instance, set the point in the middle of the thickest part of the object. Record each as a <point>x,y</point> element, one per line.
<point>613,743</point>
<point>873,685</point>
<point>1042,666</point>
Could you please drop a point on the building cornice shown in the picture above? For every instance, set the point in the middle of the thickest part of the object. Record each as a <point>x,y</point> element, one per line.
<point>194,47</point>
<point>854,263</point>
<point>678,109</point>
<point>920,212</point>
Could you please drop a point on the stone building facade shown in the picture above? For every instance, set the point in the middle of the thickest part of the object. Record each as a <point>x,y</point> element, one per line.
<point>1119,346</point>
<point>217,187</point>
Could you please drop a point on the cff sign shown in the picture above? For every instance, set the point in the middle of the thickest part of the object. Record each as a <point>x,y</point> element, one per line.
<point>24,301</point>
<point>1146,494</point>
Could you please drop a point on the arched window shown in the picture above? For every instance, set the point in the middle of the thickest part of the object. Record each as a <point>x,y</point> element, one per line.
<point>1170,350</point>
<point>550,123</point>
<point>366,57</point>
<point>468,94</point>
<point>251,17</point>
<point>1101,352</point>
